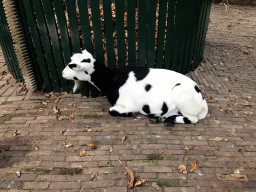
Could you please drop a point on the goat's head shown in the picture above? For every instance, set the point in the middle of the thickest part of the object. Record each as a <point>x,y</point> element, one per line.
<point>80,68</point>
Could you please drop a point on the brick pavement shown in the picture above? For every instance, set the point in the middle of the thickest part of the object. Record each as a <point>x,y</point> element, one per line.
<point>153,151</point>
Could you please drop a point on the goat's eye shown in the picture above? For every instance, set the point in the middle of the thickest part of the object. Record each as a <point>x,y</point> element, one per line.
<point>71,66</point>
<point>87,60</point>
<point>86,72</point>
<point>75,78</point>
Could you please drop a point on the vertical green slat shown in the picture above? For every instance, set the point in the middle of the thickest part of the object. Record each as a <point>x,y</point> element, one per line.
<point>198,35</point>
<point>151,33</point>
<point>142,32</point>
<point>73,25</point>
<point>170,34</point>
<point>131,32</point>
<point>183,10</point>
<point>97,38</point>
<point>46,43</point>
<point>194,35</point>
<point>207,14</point>
<point>97,31</point>
<point>29,42</point>
<point>85,25</point>
<point>48,10</point>
<point>120,32</point>
<point>108,27</point>
<point>189,30</point>
<point>161,32</point>
<point>37,44</point>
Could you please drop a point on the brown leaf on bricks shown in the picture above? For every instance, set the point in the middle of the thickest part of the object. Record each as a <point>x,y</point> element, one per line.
<point>182,169</point>
<point>194,165</point>
<point>6,83</point>
<point>246,113</point>
<point>15,133</point>
<point>208,97</point>
<point>4,72</point>
<point>208,115</point>
<point>72,116</point>
<point>246,104</point>
<point>65,118</point>
<point>44,103</point>
<point>124,138</point>
<point>111,149</point>
<point>218,175</point>
<point>237,176</point>
<point>185,148</point>
<point>55,110</point>
<point>140,182</point>
<point>64,93</point>
<point>248,118</point>
<point>94,175</point>
<point>99,130</point>
<point>64,145</point>
<point>131,175</point>
<point>65,109</point>
<point>57,100</point>
<point>82,153</point>
<point>83,97</point>
<point>88,130</point>
<point>250,46</point>
<point>47,95</point>
<point>236,104</point>
<point>105,172</point>
<point>216,139</point>
<point>246,52</point>
<point>92,146</point>
<point>41,109</point>
<point>224,110</point>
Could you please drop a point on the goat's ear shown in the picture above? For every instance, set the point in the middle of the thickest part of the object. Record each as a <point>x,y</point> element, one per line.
<point>74,67</point>
<point>85,51</point>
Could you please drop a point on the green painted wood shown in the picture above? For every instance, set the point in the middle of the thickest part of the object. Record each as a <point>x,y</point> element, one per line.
<point>120,32</point>
<point>131,32</point>
<point>169,34</point>
<point>85,25</point>
<point>30,46</point>
<point>37,43</point>
<point>38,9</point>
<point>52,29</point>
<point>142,32</point>
<point>151,33</point>
<point>108,28</point>
<point>161,33</point>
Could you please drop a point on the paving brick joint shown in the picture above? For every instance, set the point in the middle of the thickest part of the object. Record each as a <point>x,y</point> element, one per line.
<point>39,152</point>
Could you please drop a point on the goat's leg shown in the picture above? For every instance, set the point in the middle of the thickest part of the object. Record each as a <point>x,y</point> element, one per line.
<point>120,110</point>
<point>180,119</point>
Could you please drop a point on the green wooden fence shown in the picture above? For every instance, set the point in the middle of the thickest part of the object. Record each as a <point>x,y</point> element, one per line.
<point>166,34</point>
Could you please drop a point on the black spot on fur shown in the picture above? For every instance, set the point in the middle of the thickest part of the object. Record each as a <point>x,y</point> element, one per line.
<point>197,89</point>
<point>170,120</point>
<point>75,78</point>
<point>179,113</point>
<point>164,109</point>
<point>176,85</point>
<point>148,87</point>
<point>86,72</point>
<point>146,109</point>
<point>186,120</point>
<point>116,113</point>
<point>71,66</point>
<point>86,60</point>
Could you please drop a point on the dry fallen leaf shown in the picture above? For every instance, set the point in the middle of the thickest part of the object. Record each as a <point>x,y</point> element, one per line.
<point>182,168</point>
<point>72,115</point>
<point>208,97</point>
<point>237,176</point>
<point>55,110</point>
<point>111,149</point>
<point>82,153</point>
<point>248,118</point>
<point>6,83</point>
<point>208,115</point>
<point>64,93</point>
<point>94,175</point>
<point>44,103</point>
<point>64,145</point>
<point>216,139</point>
<point>83,97</point>
<point>246,104</point>
<point>218,175</point>
<point>246,52</point>
<point>15,133</point>
<point>65,118</point>
<point>92,146</point>
<point>124,138</point>
<point>88,130</point>
<point>99,130</point>
<point>57,100</point>
<point>1,115</point>
<point>246,113</point>
<point>193,165</point>
<point>47,95</point>
<point>103,164</point>
<point>36,148</point>
<point>250,46</point>
<point>224,110</point>
<point>185,148</point>
<point>236,104</point>
<point>41,109</point>
<point>105,172</point>
<point>140,182</point>
<point>65,109</point>
<point>131,175</point>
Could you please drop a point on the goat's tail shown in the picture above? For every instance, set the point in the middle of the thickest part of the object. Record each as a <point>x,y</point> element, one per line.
<point>204,111</point>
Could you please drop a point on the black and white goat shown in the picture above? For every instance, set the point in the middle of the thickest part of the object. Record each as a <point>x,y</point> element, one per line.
<point>160,93</point>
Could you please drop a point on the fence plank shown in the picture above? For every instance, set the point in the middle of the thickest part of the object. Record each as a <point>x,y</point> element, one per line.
<point>120,32</point>
<point>131,32</point>
<point>161,33</point>
<point>34,33</point>
<point>108,27</point>
<point>142,32</point>
<point>151,33</point>
<point>48,10</point>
